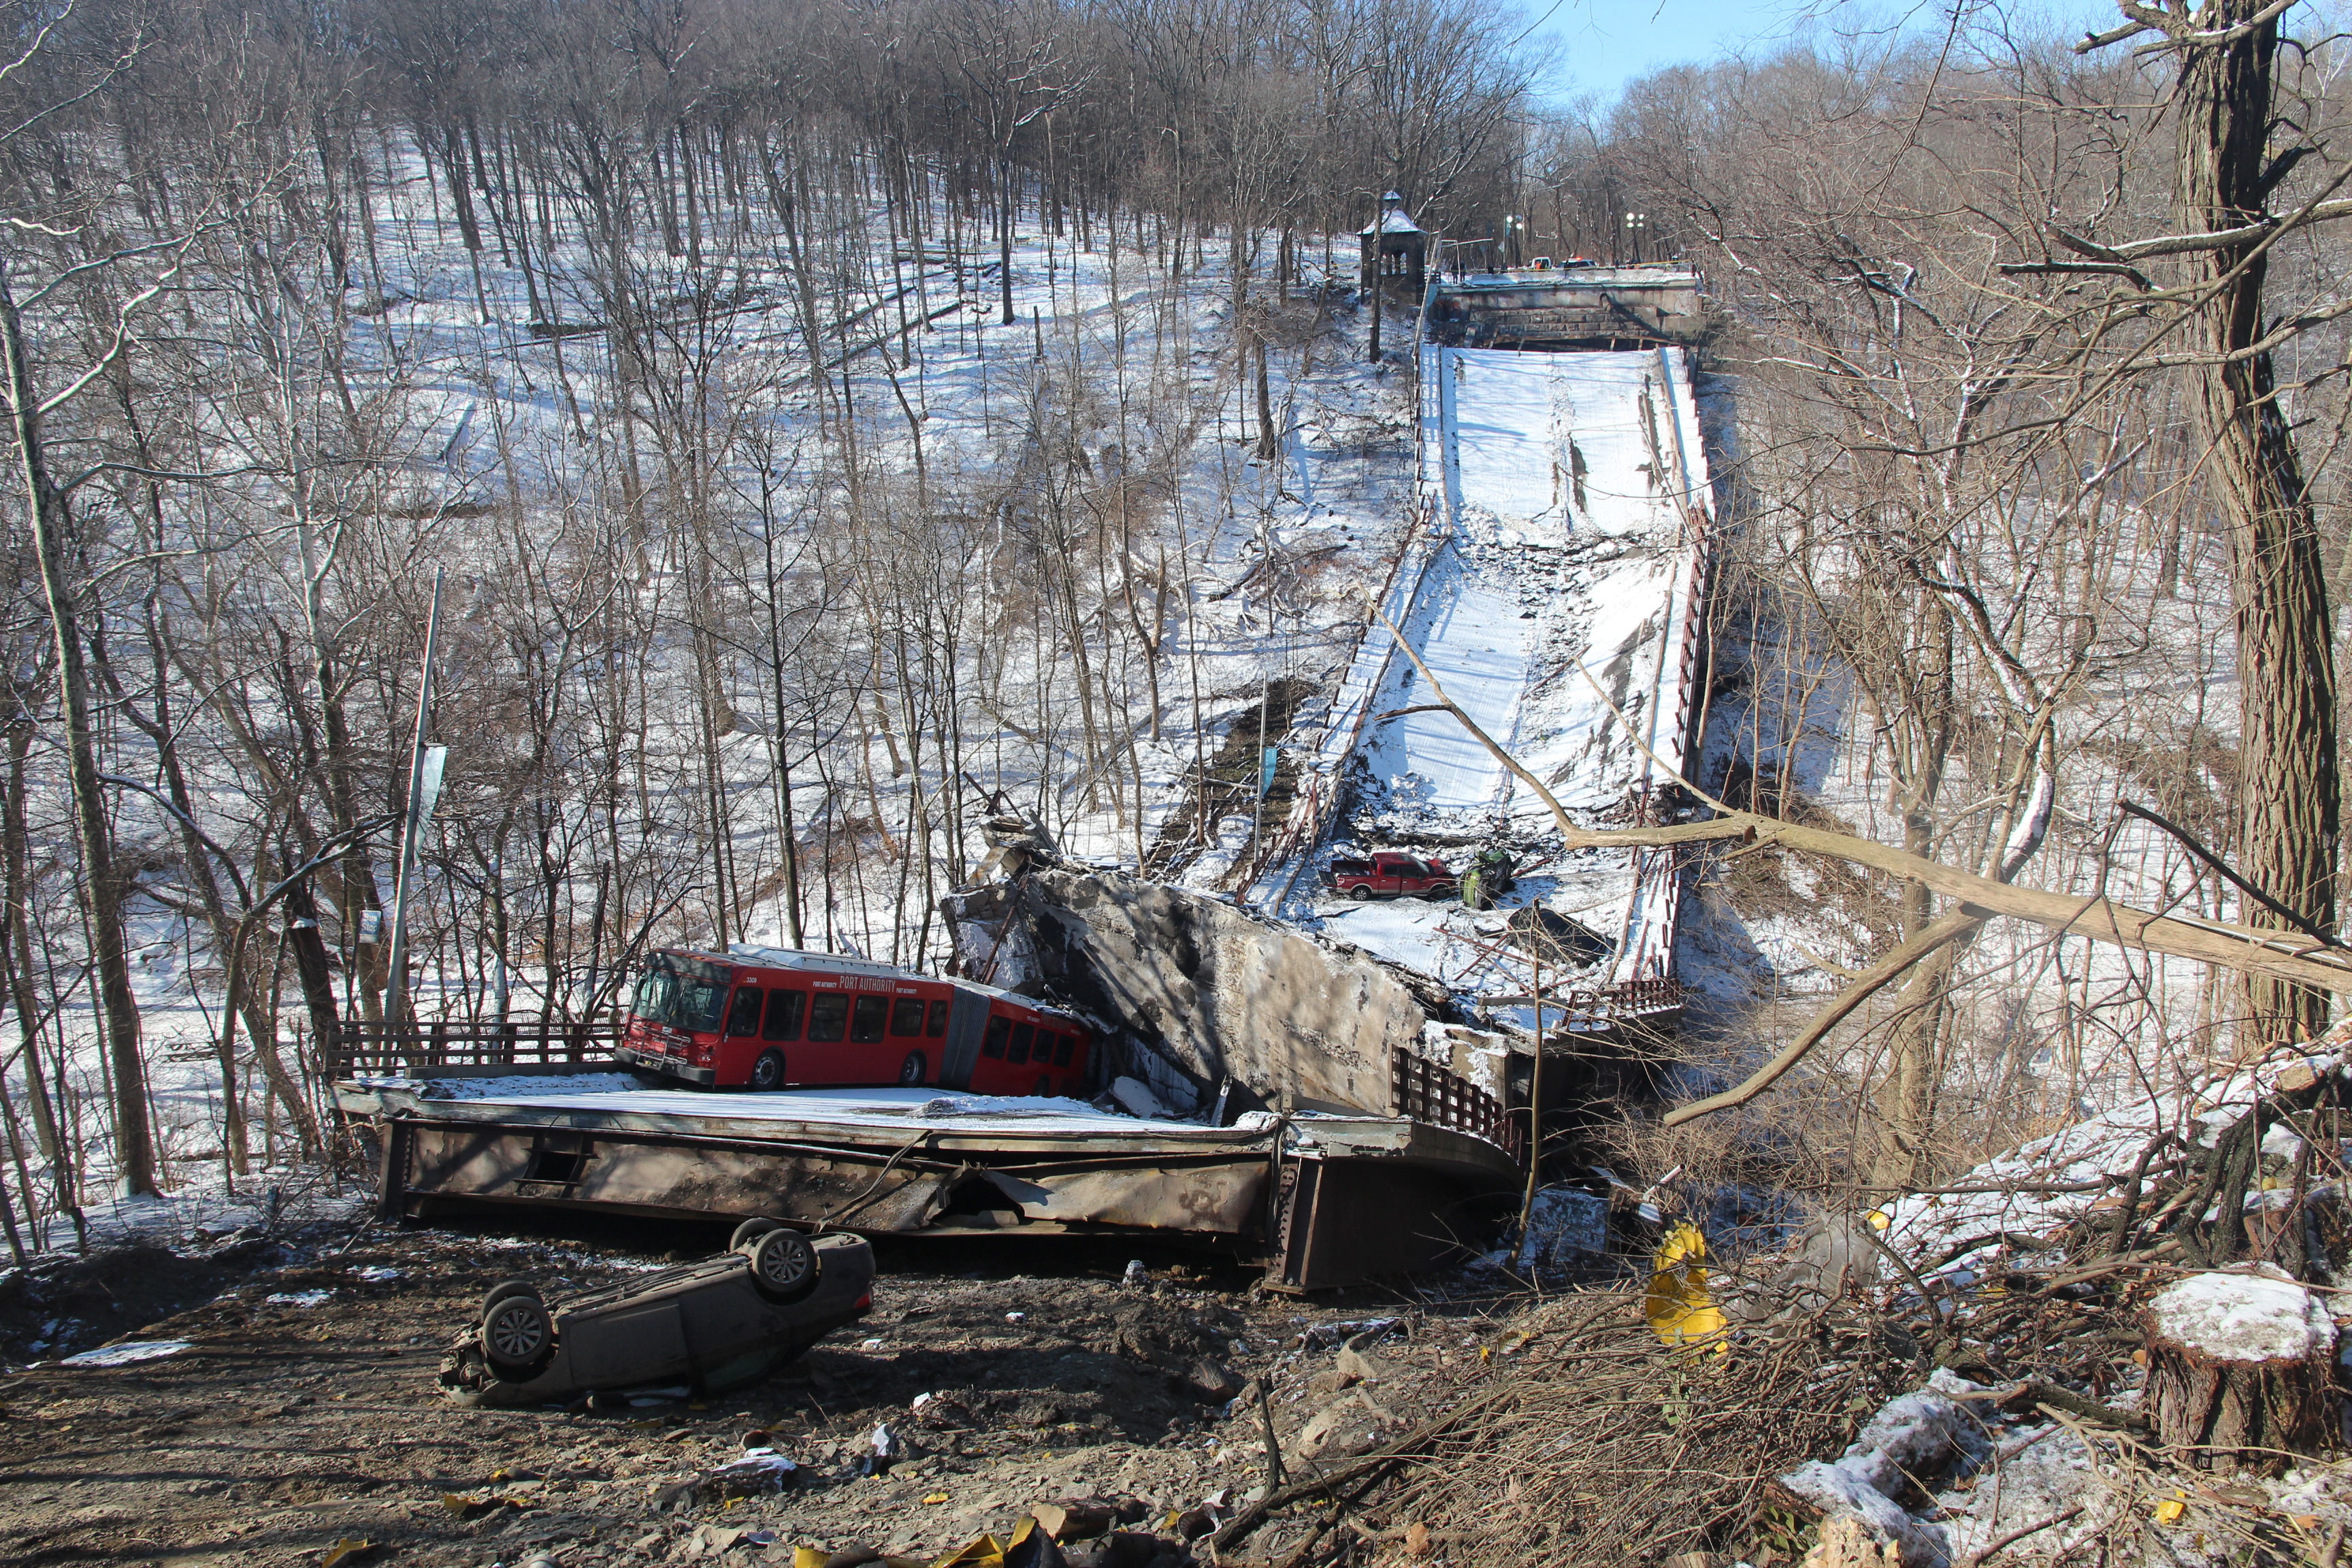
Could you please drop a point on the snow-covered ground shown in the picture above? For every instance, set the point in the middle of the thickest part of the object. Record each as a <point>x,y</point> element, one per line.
<point>1256,569</point>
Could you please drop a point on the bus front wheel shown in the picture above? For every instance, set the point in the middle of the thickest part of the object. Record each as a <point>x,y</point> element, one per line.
<point>768,1072</point>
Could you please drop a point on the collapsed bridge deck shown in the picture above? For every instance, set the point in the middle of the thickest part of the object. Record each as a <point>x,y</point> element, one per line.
<point>1296,1192</point>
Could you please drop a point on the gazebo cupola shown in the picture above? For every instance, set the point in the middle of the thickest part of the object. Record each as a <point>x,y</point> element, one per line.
<point>1396,249</point>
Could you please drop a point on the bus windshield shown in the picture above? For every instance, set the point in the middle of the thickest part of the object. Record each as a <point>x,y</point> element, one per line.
<point>682,993</point>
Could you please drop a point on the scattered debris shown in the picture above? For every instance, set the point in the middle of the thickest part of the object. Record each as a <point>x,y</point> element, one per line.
<point>761,1469</point>
<point>1134,1096</point>
<point>1558,941</point>
<point>1347,1330</point>
<point>1565,1225</point>
<point>1083,1519</point>
<point>1845,1544</point>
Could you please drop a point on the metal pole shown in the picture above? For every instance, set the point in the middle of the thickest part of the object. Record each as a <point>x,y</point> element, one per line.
<point>395,1002</point>
<point>1258,812</point>
<point>1535,1086</point>
<point>500,982</point>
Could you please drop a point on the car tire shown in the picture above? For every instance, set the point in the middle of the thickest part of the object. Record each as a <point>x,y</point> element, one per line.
<point>768,1072</point>
<point>751,1230</point>
<point>783,1265</point>
<point>1360,893</point>
<point>517,1337</point>
<point>914,1069</point>
<point>506,1287</point>
<point>1442,892</point>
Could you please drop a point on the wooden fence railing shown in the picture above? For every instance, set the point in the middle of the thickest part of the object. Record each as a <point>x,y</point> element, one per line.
<point>1443,1097</point>
<point>373,1047</point>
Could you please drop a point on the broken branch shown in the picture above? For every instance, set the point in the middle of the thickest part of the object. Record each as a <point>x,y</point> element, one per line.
<point>2281,955</point>
<point>2190,842</point>
<point>1404,1447</point>
<point>1951,927</point>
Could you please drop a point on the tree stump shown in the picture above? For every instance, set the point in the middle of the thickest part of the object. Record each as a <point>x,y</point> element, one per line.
<point>2239,1370</point>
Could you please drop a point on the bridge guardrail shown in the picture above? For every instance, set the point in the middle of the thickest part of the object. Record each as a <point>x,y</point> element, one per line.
<point>1438,1095</point>
<point>365,1046</point>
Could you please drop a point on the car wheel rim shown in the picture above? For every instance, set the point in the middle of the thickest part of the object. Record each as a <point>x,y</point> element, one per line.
<point>515,1335</point>
<point>785,1266</point>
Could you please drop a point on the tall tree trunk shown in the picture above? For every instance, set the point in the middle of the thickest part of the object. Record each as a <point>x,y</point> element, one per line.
<point>19,963</point>
<point>197,858</point>
<point>102,884</point>
<point>1004,236</point>
<point>2287,799</point>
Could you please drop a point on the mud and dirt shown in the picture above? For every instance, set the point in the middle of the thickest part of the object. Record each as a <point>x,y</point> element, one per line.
<point>303,1409</point>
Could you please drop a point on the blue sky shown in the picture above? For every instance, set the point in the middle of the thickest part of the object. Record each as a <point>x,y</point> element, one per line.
<point>1604,44</point>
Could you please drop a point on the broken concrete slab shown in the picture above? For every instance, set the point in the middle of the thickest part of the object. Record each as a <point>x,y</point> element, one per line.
<point>1481,1058</point>
<point>1208,990</point>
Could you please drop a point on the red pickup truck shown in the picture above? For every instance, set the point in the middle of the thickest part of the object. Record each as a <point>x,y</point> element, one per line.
<point>1388,875</point>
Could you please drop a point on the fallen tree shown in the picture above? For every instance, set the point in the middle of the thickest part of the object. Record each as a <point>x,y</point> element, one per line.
<point>2277,954</point>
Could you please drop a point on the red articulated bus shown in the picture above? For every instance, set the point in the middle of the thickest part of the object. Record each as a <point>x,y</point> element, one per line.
<point>766,1017</point>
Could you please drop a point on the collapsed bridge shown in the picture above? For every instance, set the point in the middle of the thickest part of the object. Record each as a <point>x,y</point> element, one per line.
<point>1338,1113</point>
<point>1316,1139</point>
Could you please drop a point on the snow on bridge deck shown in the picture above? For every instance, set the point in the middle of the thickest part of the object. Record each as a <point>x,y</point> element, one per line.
<point>1564,499</point>
<point>889,1112</point>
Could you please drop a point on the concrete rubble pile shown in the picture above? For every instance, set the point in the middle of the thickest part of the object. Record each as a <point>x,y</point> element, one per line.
<point>1206,999</point>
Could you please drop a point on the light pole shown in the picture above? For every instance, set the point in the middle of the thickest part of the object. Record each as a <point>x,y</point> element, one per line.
<point>1635,223</point>
<point>1513,229</point>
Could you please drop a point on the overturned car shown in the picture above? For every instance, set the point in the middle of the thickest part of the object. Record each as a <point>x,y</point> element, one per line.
<point>718,1323</point>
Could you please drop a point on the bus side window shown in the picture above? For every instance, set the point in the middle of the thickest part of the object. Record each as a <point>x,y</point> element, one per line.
<point>783,1021</point>
<point>828,1011</point>
<point>993,1043</point>
<point>743,1014</point>
<point>906,1016</point>
<point>1063,1046</point>
<point>866,1023</point>
<point>1022,1035</point>
<point>938,1027</point>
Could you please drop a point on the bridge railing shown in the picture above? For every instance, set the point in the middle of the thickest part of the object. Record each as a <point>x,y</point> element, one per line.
<point>365,1046</point>
<point>1428,1092</point>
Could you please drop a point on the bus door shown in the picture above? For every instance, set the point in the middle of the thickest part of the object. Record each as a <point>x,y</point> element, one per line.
<point>825,1054</point>
<point>967,1017</point>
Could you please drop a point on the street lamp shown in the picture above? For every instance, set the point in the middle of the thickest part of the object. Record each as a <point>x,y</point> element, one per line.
<point>1635,223</point>
<point>1514,229</point>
